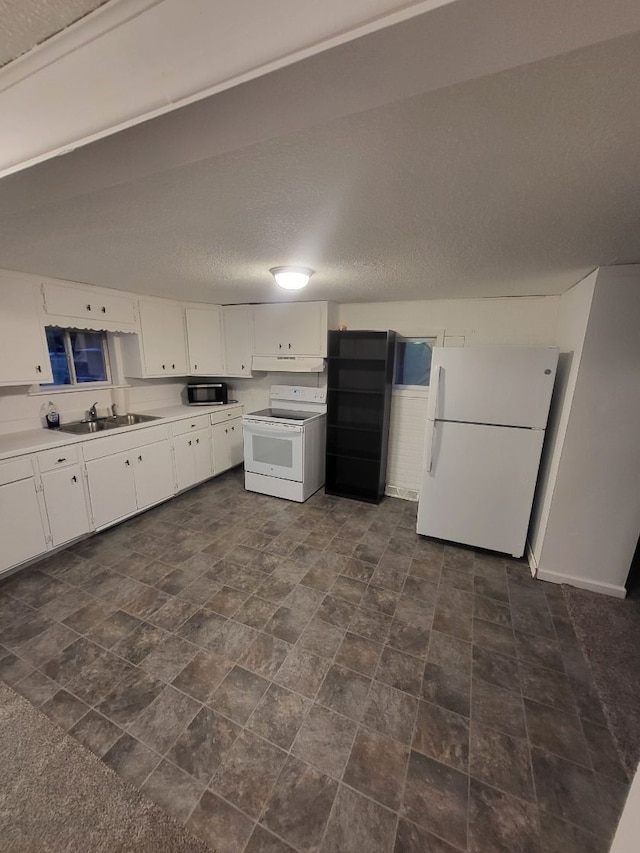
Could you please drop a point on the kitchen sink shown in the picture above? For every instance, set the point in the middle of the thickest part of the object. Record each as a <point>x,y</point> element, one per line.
<point>100,424</point>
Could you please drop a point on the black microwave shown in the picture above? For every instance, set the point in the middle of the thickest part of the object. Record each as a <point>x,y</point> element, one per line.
<point>207,393</point>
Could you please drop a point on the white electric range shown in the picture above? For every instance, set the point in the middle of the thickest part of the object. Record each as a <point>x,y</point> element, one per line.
<point>284,445</point>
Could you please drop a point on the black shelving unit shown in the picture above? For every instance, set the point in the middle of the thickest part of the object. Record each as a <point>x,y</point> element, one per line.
<point>360,376</point>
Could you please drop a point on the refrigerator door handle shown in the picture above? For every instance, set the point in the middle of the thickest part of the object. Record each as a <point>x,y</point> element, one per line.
<point>434,393</point>
<point>428,445</point>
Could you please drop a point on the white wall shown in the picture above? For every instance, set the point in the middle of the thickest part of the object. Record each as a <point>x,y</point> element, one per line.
<point>594,516</point>
<point>573,316</point>
<point>628,832</point>
<point>525,321</point>
<point>20,410</point>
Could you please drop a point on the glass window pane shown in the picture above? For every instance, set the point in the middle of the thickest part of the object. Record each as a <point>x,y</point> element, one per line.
<point>58,357</point>
<point>413,362</point>
<point>88,356</point>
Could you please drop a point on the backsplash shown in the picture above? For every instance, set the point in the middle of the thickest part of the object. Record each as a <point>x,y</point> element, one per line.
<point>21,411</point>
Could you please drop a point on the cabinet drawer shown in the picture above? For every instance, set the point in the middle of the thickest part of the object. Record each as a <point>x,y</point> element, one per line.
<point>49,460</point>
<point>226,414</point>
<point>100,447</point>
<point>16,469</point>
<point>189,425</point>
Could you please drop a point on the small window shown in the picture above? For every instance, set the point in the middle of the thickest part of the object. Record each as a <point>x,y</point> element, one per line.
<point>77,357</point>
<point>413,362</point>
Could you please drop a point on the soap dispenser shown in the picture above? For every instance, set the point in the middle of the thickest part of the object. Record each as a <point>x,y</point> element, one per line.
<point>52,416</point>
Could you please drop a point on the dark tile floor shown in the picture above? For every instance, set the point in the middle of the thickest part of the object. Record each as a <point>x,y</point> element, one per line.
<point>319,678</point>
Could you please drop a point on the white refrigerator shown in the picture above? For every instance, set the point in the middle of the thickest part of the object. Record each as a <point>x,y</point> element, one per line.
<point>486,418</point>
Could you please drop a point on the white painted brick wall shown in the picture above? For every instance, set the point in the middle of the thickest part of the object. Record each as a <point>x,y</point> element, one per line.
<point>406,444</point>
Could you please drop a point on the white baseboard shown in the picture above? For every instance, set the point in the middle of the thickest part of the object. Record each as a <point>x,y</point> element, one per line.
<point>533,564</point>
<point>583,583</point>
<point>403,494</point>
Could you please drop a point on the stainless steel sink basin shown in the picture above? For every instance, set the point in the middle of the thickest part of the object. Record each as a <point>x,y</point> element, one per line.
<point>88,427</point>
<point>129,420</point>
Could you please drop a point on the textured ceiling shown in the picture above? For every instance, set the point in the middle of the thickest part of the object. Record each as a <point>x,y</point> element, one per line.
<point>513,184</point>
<point>26,23</point>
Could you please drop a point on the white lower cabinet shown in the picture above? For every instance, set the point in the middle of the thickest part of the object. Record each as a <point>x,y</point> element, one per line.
<point>133,480</point>
<point>153,473</point>
<point>22,534</point>
<point>66,504</point>
<point>226,440</point>
<point>125,474</point>
<point>112,488</point>
<point>192,455</point>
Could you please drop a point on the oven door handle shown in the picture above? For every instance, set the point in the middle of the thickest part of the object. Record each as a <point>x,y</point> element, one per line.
<point>272,432</point>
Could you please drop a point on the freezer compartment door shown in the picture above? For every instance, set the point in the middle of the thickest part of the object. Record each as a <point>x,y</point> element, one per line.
<point>480,488</point>
<point>510,386</point>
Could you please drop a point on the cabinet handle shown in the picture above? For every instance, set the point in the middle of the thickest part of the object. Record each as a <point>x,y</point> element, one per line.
<point>139,458</point>
<point>163,367</point>
<point>226,430</point>
<point>126,462</point>
<point>103,309</point>
<point>289,346</point>
<point>242,366</point>
<point>279,346</point>
<point>74,479</point>
<point>197,441</point>
<point>38,369</point>
<point>173,367</point>
<point>88,307</point>
<point>62,459</point>
<point>233,429</point>
<point>190,443</point>
<point>195,366</point>
<point>192,426</point>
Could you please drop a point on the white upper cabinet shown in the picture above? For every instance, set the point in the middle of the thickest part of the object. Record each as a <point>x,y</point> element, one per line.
<point>237,323</point>
<point>24,356</point>
<point>286,329</point>
<point>88,308</point>
<point>204,340</point>
<point>161,347</point>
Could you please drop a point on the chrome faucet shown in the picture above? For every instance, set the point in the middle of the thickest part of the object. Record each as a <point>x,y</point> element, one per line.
<point>93,414</point>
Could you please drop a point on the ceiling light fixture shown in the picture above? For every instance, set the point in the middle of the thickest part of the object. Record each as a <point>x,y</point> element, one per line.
<point>292,278</point>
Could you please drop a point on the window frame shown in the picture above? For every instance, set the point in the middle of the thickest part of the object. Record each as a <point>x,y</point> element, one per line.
<point>436,339</point>
<point>74,385</point>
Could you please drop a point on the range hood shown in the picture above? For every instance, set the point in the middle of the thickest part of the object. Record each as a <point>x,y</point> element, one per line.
<point>288,364</point>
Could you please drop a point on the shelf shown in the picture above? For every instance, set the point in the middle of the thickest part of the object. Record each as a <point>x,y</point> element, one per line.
<point>358,406</point>
<point>354,391</point>
<point>358,427</point>
<point>357,359</point>
<point>355,494</point>
<point>362,457</point>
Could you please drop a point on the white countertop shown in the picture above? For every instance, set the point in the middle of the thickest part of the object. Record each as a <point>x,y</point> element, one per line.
<point>32,440</point>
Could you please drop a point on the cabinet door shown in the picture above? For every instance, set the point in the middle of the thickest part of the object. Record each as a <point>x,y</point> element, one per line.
<point>202,455</point>
<point>291,329</point>
<point>221,446</point>
<point>153,473</point>
<point>268,329</point>
<point>112,489</point>
<point>236,447</point>
<point>63,301</point>
<point>66,504</point>
<point>24,357</point>
<point>238,340</point>
<point>192,454</point>
<point>163,338</point>
<point>21,530</point>
<point>184,461</point>
<point>306,328</point>
<point>204,339</point>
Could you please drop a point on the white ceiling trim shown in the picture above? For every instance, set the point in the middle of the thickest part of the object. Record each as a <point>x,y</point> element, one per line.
<point>133,60</point>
